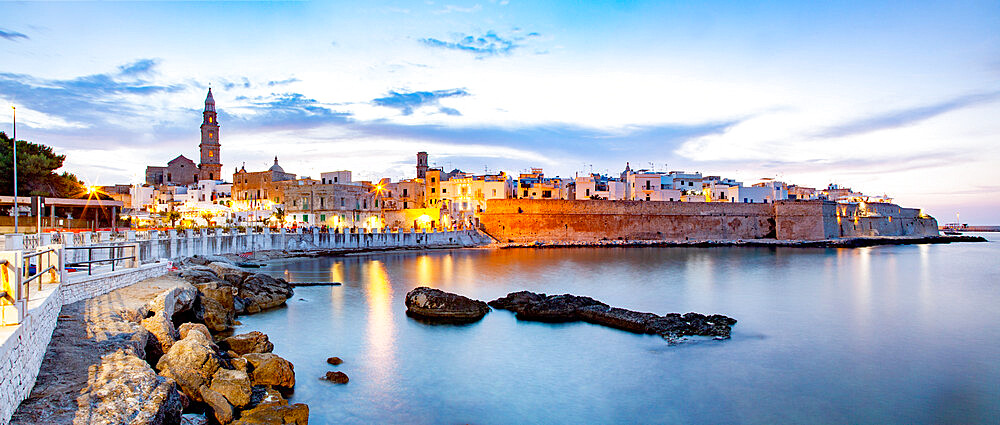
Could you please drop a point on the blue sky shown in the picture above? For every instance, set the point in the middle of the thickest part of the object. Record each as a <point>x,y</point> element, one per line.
<point>886,97</point>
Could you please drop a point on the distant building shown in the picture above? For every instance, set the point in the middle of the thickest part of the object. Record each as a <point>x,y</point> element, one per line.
<point>183,171</point>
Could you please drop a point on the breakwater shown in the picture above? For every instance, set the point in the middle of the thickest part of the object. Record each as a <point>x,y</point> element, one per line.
<point>554,221</point>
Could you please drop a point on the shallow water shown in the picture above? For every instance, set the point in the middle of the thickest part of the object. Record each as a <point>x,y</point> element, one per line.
<point>891,334</point>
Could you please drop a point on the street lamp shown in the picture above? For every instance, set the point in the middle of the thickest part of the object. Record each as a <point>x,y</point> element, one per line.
<point>14,134</point>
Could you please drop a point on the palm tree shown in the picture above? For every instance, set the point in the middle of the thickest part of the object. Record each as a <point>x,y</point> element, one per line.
<point>279,214</point>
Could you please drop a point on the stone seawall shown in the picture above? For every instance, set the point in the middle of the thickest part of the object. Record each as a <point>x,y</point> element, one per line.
<point>525,221</point>
<point>83,287</point>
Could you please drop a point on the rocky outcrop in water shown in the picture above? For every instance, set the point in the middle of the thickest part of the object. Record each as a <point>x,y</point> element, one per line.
<point>336,377</point>
<point>569,308</point>
<point>437,305</point>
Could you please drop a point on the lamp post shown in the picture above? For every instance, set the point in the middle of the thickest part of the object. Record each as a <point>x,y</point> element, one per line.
<point>14,137</point>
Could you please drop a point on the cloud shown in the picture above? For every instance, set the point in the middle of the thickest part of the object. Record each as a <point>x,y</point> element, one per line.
<point>282,110</point>
<point>407,102</point>
<point>139,67</point>
<point>905,117</point>
<point>458,9</point>
<point>283,82</point>
<point>488,44</point>
<point>12,35</point>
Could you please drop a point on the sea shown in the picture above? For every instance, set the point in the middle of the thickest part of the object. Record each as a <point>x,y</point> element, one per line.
<point>904,334</point>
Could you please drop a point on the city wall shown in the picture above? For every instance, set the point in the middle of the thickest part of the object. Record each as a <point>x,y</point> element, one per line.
<point>525,221</point>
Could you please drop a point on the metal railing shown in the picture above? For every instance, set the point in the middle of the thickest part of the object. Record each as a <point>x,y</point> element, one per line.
<point>36,267</point>
<point>116,253</point>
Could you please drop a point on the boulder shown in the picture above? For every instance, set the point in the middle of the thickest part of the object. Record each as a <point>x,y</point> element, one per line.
<point>186,328</point>
<point>228,272</point>
<point>216,306</point>
<point>261,292</point>
<point>160,324</point>
<point>198,274</point>
<point>193,419</point>
<point>336,377</point>
<point>221,409</point>
<point>275,414</point>
<point>125,390</point>
<point>250,342</point>
<point>675,325</point>
<point>234,385</point>
<point>191,362</point>
<point>239,363</point>
<point>435,304</point>
<point>270,369</point>
<point>334,361</point>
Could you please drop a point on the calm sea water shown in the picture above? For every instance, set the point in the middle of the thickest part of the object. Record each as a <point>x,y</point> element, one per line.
<point>893,334</point>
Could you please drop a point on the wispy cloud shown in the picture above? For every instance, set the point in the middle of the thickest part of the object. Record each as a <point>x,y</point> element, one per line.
<point>450,8</point>
<point>12,35</point>
<point>905,117</point>
<point>488,44</point>
<point>408,102</point>
<point>137,68</point>
<point>283,82</point>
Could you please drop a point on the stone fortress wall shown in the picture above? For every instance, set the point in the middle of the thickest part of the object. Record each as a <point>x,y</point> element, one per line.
<point>526,220</point>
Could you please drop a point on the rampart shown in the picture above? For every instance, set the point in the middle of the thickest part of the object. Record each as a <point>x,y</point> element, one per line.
<point>525,221</point>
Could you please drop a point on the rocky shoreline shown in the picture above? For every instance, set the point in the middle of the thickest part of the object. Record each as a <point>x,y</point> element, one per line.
<point>145,355</point>
<point>829,243</point>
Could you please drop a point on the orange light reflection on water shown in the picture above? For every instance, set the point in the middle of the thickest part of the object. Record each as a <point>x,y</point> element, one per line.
<point>381,331</point>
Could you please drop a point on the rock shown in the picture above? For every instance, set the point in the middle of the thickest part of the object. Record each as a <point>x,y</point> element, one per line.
<point>261,292</point>
<point>160,324</point>
<point>334,361</point>
<point>216,306</point>
<point>221,409</point>
<point>124,389</point>
<point>228,272</point>
<point>191,362</point>
<point>239,363</point>
<point>542,308</point>
<point>336,377</point>
<point>275,414</point>
<point>563,308</point>
<point>615,317</point>
<point>270,369</point>
<point>261,395</point>
<point>193,419</point>
<point>234,385</point>
<point>186,328</point>
<point>250,342</point>
<point>198,274</point>
<point>438,305</point>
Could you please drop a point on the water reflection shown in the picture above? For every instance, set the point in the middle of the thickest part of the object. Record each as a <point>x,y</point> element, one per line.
<point>380,328</point>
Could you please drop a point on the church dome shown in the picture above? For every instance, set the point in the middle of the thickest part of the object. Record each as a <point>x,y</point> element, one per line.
<point>276,167</point>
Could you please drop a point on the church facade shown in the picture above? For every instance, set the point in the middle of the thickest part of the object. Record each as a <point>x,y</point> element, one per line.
<point>182,171</point>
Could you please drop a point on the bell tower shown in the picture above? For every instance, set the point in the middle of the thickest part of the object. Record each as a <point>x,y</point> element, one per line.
<point>210,167</point>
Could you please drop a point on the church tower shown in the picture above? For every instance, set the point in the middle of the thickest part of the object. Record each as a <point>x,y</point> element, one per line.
<point>210,167</point>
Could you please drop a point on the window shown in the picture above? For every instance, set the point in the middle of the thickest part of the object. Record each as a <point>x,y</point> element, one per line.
<point>324,180</point>
<point>404,205</point>
<point>690,183</point>
<point>321,202</point>
<point>588,192</point>
<point>432,180</point>
<point>444,190</point>
<point>322,217</point>
<point>432,190</point>
<point>334,179</point>
<point>494,192</point>
<point>169,178</point>
<point>376,203</point>
<point>647,197</point>
<point>546,193</point>
<point>404,193</point>
<point>525,193</point>
<point>364,203</point>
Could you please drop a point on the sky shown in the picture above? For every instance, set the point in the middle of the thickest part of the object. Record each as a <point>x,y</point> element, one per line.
<point>898,98</point>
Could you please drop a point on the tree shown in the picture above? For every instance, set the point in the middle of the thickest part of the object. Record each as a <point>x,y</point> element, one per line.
<point>36,165</point>
<point>279,215</point>
<point>172,216</point>
<point>207,215</point>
